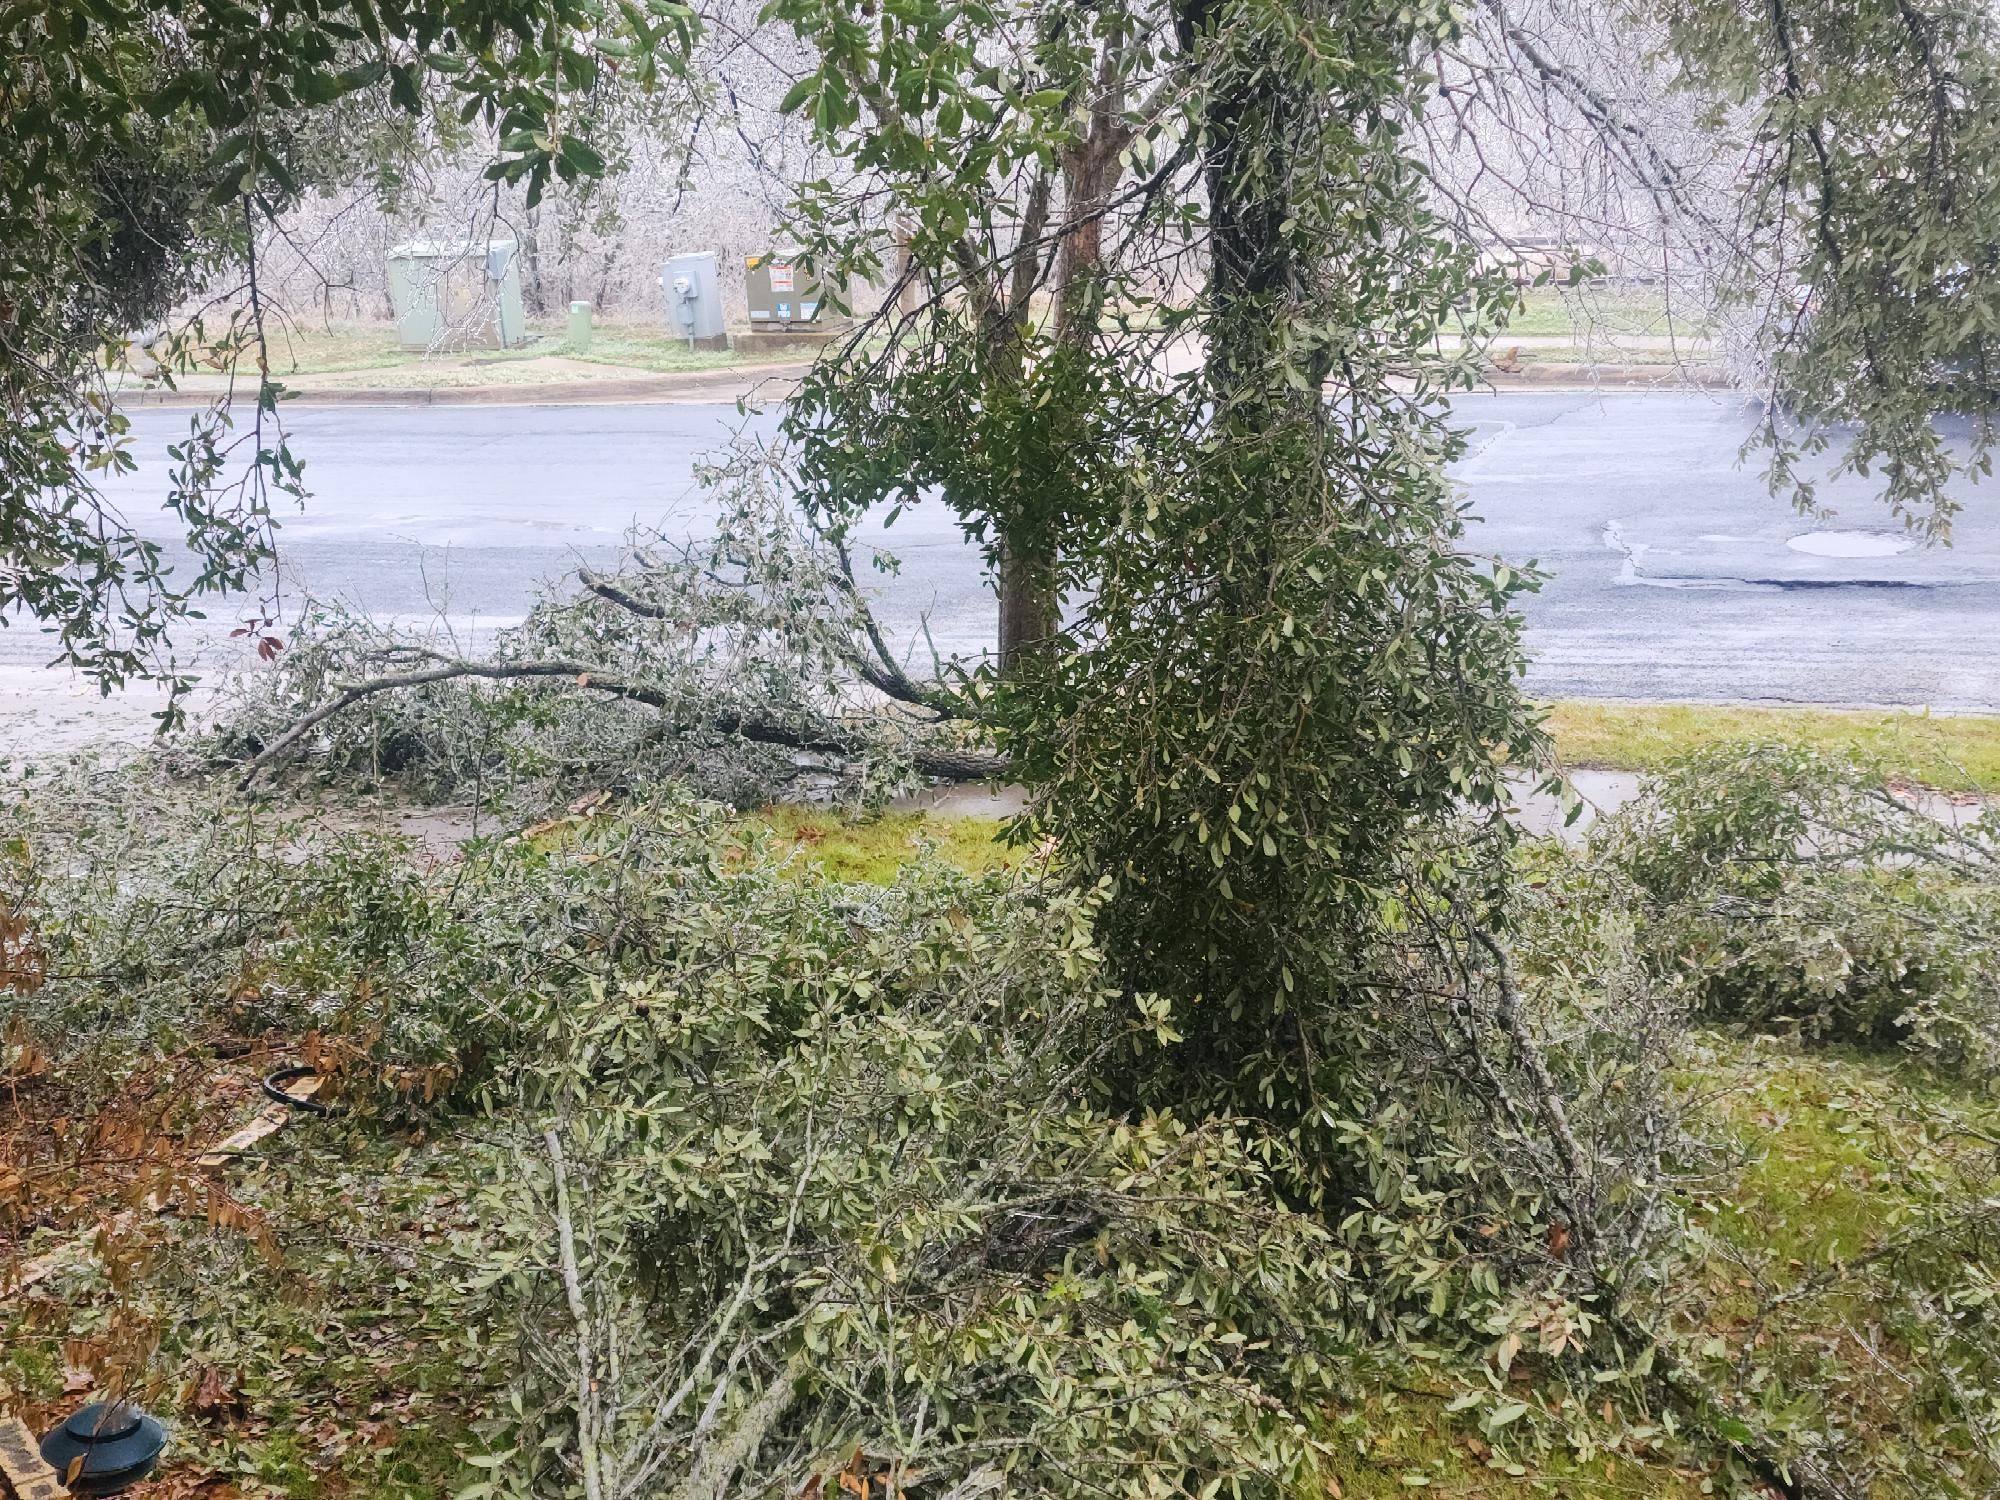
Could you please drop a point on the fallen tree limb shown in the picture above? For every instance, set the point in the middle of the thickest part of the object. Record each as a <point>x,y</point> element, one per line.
<point>944,765</point>
<point>880,670</point>
<point>605,589</point>
<point>1727,1421</point>
<point>885,674</point>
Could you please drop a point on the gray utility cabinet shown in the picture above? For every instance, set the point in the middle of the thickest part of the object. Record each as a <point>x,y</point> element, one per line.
<point>782,294</point>
<point>693,288</point>
<point>457,294</point>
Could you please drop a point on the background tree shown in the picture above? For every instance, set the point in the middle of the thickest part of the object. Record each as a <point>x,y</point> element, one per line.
<point>1021,147</point>
<point>1819,175</point>
<point>153,139</point>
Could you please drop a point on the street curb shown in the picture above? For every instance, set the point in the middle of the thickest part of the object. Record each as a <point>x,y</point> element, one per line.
<point>707,388</point>
<point>1609,377</point>
<point>696,388</point>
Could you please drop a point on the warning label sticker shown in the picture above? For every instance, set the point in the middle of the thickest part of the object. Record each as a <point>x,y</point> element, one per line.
<point>781,278</point>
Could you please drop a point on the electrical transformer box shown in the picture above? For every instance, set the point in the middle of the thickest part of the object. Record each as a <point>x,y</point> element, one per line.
<point>693,288</point>
<point>462,294</point>
<point>782,294</point>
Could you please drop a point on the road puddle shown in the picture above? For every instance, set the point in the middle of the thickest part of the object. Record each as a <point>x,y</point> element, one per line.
<point>1852,543</point>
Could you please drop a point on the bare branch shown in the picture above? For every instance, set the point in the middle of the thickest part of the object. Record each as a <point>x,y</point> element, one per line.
<point>586,1382</point>
<point>604,588</point>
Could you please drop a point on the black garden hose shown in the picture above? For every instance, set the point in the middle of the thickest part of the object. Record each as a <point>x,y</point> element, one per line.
<point>274,1088</point>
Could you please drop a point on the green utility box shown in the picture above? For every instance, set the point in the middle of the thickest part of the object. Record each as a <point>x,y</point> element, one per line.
<point>782,294</point>
<point>457,294</point>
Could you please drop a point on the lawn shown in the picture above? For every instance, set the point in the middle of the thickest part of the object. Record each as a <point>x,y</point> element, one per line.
<point>298,348</point>
<point>1602,311</point>
<point>1596,318</point>
<point>1951,753</point>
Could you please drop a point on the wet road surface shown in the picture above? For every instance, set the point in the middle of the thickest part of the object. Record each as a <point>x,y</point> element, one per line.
<point>1675,575</point>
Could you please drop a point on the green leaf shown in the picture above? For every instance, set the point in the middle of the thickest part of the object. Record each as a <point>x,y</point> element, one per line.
<point>799,93</point>
<point>1733,1430</point>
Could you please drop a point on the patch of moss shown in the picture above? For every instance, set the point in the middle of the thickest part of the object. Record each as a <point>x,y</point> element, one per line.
<point>1396,1442</point>
<point>1825,1234</point>
<point>1830,1137</point>
<point>873,850</point>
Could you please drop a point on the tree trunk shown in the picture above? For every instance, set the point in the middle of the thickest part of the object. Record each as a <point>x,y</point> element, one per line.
<point>1028,609</point>
<point>1030,602</point>
<point>1250,263</point>
<point>533,290</point>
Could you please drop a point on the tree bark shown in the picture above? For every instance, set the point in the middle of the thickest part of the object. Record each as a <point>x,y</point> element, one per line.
<point>1028,608</point>
<point>533,290</point>
<point>1030,601</point>
<point>1250,255</point>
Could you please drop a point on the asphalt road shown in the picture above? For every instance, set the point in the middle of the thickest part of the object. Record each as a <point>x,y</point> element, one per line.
<point>1674,573</point>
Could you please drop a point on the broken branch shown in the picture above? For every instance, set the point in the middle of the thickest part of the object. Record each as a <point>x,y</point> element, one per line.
<point>944,765</point>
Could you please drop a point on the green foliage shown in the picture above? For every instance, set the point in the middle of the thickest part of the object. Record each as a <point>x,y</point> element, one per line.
<point>847,1193</point>
<point>1783,887</point>
<point>878,1108</point>
<point>182,913</point>
<point>1829,1277</point>
<point>836,1173</point>
<point>1276,664</point>
<point>881,1109</point>
<point>1871,209</point>
<point>1090,1181</point>
<point>1282,667</point>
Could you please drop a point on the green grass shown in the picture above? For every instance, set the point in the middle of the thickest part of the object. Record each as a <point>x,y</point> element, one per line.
<point>1396,1441</point>
<point>1586,356</point>
<point>1955,754</point>
<point>1952,753</point>
<point>1604,311</point>
<point>1813,1192</point>
<point>1847,1154</point>
<point>639,349</point>
<point>306,350</point>
<point>873,850</point>
<point>1829,1132</point>
<point>345,348</point>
